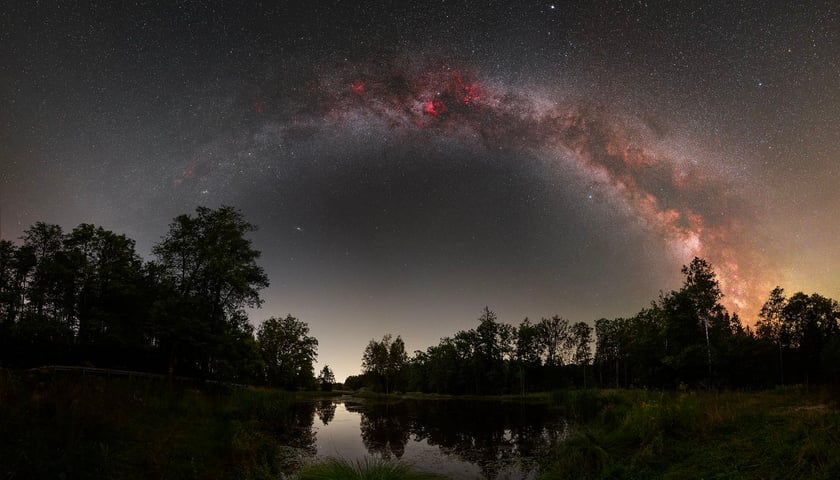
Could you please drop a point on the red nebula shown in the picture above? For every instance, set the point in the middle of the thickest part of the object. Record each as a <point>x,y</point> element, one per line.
<point>358,87</point>
<point>471,94</point>
<point>434,107</point>
<point>258,106</point>
<point>453,96</point>
<point>466,94</point>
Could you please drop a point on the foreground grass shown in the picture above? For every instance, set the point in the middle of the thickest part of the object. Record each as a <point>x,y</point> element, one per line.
<point>785,433</point>
<point>369,469</point>
<point>69,426</point>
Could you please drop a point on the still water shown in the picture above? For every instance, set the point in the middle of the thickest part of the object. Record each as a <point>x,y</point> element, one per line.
<point>457,438</point>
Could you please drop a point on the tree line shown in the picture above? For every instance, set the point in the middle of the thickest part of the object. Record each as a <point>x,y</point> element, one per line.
<point>86,297</point>
<point>684,338</point>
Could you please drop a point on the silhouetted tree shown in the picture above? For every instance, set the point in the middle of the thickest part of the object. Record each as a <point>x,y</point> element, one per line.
<point>287,351</point>
<point>210,267</point>
<point>703,290</point>
<point>528,351</point>
<point>814,320</point>
<point>385,359</point>
<point>326,379</point>
<point>494,344</point>
<point>444,369</point>
<point>40,261</point>
<point>581,345</point>
<point>104,295</point>
<point>772,325</point>
<point>10,292</point>
<point>554,333</point>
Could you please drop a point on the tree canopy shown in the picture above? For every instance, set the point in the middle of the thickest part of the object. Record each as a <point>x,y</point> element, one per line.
<point>288,352</point>
<point>86,297</point>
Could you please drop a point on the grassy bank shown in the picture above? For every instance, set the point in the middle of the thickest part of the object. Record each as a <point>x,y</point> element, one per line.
<point>370,469</point>
<point>784,433</point>
<point>70,426</point>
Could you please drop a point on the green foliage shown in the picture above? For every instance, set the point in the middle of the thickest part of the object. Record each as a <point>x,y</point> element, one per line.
<point>787,433</point>
<point>687,337</point>
<point>384,361</point>
<point>580,405</point>
<point>78,288</point>
<point>210,275</point>
<point>579,457</point>
<point>64,426</point>
<point>86,298</point>
<point>367,469</point>
<point>288,352</point>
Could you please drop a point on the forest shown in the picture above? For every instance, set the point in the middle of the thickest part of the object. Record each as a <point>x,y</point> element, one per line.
<point>86,298</point>
<point>685,339</point>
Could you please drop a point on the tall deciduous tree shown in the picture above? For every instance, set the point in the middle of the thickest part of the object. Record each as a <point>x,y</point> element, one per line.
<point>385,359</point>
<point>494,345</point>
<point>528,350</point>
<point>554,332</point>
<point>103,296</point>
<point>10,294</point>
<point>581,343</point>
<point>814,320</point>
<point>39,260</point>
<point>287,351</point>
<point>208,256</point>
<point>326,379</point>
<point>703,291</point>
<point>772,325</point>
<point>211,273</point>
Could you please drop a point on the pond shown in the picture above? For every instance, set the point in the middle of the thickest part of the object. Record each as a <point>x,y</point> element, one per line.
<point>462,439</point>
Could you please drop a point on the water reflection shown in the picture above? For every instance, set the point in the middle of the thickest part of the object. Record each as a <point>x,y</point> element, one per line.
<point>385,430</point>
<point>460,439</point>
<point>294,428</point>
<point>325,409</point>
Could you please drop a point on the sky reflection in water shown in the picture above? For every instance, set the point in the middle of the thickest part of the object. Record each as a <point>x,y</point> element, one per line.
<point>465,440</point>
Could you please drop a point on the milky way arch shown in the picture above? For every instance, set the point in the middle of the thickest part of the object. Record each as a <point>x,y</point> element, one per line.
<point>687,202</point>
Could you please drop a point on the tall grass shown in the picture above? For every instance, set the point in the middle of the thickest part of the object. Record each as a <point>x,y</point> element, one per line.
<point>367,469</point>
<point>786,433</point>
<point>69,426</point>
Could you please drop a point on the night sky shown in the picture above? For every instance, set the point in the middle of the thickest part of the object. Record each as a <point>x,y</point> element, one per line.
<point>408,163</point>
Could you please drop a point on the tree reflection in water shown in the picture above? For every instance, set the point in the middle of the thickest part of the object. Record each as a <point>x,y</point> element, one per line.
<point>291,425</point>
<point>385,429</point>
<point>325,409</point>
<point>495,436</point>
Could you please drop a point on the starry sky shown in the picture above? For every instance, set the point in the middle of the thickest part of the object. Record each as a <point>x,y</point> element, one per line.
<point>408,163</point>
